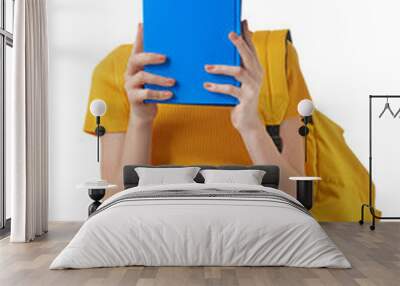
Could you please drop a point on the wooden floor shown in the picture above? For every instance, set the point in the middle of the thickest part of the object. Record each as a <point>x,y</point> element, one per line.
<point>375,257</point>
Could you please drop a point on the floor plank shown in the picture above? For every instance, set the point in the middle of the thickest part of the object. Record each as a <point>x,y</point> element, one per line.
<point>375,257</point>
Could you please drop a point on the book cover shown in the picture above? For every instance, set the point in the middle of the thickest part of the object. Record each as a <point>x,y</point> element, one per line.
<point>192,34</point>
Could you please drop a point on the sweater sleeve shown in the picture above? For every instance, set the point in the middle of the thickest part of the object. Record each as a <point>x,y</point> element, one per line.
<point>108,85</point>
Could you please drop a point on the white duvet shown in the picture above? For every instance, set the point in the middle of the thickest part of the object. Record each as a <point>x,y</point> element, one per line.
<point>200,231</point>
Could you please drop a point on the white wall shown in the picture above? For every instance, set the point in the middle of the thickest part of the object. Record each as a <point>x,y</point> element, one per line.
<point>81,33</point>
<point>348,50</point>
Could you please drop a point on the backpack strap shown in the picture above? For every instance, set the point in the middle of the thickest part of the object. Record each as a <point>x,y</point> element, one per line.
<point>273,131</point>
<point>271,47</point>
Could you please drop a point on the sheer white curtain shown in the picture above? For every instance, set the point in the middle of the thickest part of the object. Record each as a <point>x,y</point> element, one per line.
<point>28,116</point>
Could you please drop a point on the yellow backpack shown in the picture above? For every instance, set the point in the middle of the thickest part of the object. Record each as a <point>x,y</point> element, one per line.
<point>344,186</point>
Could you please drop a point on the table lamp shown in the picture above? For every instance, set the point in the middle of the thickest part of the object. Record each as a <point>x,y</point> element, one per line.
<point>98,108</point>
<point>305,109</point>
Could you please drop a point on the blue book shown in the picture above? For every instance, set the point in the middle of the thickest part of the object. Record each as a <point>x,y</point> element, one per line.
<point>192,34</point>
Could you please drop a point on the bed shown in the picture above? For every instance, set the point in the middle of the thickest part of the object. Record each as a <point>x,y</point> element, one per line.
<point>199,224</point>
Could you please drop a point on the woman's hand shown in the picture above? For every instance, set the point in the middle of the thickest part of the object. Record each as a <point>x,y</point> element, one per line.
<point>244,116</point>
<point>136,78</point>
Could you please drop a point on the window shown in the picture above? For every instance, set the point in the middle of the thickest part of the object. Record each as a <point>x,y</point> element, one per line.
<point>6,44</point>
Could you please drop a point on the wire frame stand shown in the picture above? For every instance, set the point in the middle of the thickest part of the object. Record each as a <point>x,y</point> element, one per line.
<point>370,205</point>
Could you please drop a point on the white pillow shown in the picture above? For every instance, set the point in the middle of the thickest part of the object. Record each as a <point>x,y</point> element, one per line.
<point>163,176</point>
<point>248,177</point>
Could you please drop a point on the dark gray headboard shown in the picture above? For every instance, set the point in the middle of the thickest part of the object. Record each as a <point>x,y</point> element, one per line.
<point>271,178</point>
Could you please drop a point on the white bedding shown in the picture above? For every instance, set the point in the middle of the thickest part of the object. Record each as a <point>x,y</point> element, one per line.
<point>191,231</point>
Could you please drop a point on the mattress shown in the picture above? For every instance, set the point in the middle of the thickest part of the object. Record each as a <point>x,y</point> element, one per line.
<point>201,225</point>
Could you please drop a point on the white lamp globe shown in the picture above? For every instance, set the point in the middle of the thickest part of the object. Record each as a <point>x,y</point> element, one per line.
<point>98,107</point>
<point>305,107</point>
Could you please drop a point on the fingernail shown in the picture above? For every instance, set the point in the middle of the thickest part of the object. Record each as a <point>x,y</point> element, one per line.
<point>208,85</point>
<point>167,93</point>
<point>170,81</point>
<point>161,58</point>
<point>234,36</point>
<point>209,67</point>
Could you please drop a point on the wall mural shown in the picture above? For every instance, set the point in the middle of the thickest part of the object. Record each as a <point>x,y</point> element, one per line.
<point>259,124</point>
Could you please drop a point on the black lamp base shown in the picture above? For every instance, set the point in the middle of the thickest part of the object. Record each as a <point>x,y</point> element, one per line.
<point>303,131</point>
<point>100,131</point>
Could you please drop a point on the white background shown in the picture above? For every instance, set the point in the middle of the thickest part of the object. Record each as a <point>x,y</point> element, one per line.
<point>347,50</point>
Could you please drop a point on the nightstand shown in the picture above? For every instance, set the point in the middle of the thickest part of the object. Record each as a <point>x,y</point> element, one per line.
<point>304,190</point>
<point>96,192</point>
